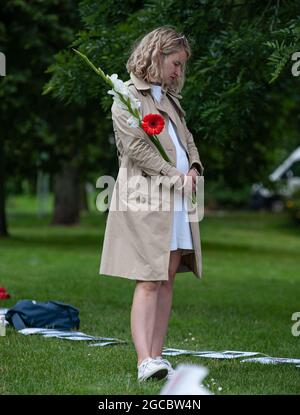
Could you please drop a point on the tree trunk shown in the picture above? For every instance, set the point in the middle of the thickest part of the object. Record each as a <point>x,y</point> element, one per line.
<point>84,206</point>
<point>66,196</point>
<point>3,227</point>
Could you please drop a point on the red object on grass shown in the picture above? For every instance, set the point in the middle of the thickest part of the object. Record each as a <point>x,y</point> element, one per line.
<point>3,293</point>
<point>153,124</point>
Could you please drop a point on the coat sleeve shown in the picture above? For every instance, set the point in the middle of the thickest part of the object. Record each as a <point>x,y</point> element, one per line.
<point>133,142</point>
<point>192,149</point>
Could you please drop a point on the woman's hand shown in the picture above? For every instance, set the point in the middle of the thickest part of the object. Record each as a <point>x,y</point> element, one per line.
<point>190,180</point>
<point>194,174</point>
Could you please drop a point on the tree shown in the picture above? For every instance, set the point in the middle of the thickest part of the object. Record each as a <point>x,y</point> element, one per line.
<point>32,124</point>
<point>238,118</point>
<point>234,112</point>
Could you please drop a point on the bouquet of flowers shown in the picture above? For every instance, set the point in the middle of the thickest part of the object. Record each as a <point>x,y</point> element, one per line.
<point>152,124</point>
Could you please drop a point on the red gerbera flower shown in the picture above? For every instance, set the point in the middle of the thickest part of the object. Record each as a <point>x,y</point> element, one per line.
<point>153,124</point>
<point>3,293</point>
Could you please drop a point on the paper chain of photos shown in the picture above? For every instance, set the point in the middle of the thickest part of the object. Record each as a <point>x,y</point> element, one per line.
<point>108,341</point>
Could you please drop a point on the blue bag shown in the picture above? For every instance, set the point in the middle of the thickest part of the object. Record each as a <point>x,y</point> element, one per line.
<point>50,314</point>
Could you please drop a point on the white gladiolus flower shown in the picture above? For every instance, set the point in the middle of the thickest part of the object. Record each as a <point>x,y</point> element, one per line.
<point>119,85</point>
<point>121,105</point>
<point>117,98</point>
<point>132,122</point>
<point>112,92</point>
<point>135,103</point>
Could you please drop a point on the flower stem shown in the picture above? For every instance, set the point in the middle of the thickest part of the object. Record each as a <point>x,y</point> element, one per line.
<point>97,70</point>
<point>160,148</point>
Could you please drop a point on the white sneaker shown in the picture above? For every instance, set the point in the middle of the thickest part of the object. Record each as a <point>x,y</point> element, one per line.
<point>151,368</point>
<point>168,365</point>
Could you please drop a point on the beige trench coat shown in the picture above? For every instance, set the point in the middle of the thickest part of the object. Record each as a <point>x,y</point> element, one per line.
<point>137,242</point>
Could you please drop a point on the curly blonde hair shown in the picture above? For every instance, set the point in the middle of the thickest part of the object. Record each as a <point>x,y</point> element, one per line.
<point>148,52</point>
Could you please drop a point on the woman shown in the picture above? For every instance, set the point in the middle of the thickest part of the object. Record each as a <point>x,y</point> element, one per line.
<point>142,243</point>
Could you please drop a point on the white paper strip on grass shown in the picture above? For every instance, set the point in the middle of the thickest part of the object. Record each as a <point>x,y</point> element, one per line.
<point>52,332</point>
<point>227,354</point>
<point>177,352</point>
<point>272,360</point>
<point>68,335</point>
<point>31,330</point>
<point>106,343</point>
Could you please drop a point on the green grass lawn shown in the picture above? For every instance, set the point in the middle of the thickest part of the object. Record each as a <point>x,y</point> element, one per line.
<point>249,291</point>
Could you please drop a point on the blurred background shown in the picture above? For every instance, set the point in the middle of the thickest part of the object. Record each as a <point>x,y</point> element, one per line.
<point>240,95</point>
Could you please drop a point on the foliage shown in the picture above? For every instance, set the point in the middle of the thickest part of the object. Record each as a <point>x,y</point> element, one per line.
<point>31,33</point>
<point>233,111</point>
<point>243,124</point>
<point>284,42</point>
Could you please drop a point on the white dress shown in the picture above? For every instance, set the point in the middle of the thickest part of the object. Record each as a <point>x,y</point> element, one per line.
<point>181,235</point>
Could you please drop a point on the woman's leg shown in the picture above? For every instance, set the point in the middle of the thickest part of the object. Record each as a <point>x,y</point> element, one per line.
<point>164,305</point>
<point>143,317</point>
